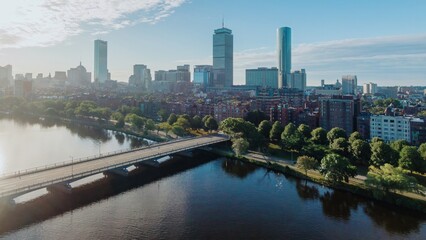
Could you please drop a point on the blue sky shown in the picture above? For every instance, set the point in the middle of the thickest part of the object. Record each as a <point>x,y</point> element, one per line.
<point>382,41</point>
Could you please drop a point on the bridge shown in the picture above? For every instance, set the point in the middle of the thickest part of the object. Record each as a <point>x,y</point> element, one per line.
<point>22,182</point>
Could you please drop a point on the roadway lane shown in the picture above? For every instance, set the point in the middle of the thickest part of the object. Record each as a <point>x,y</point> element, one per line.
<point>36,180</point>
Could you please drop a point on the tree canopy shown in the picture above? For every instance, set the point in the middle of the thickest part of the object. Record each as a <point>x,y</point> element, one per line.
<point>336,168</point>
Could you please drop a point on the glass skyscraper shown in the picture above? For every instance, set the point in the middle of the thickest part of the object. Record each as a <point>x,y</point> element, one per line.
<point>101,63</point>
<point>284,55</point>
<point>223,57</point>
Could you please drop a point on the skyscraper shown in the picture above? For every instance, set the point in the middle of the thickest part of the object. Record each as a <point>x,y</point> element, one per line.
<point>349,84</point>
<point>284,55</point>
<point>265,77</point>
<point>297,79</point>
<point>141,77</point>
<point>101,61</point>
<point>223,55</point>
<point>6,77</point>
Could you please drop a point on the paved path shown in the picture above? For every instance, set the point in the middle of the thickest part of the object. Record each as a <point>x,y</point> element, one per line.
<point>19,184</point>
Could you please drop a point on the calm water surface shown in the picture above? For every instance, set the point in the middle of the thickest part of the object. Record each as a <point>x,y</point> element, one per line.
<point>207,198</point>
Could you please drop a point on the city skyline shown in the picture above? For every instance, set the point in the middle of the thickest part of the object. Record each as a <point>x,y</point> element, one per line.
<point>386,47</point>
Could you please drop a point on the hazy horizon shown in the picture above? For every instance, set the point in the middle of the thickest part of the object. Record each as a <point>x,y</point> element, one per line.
<point>381,42</point>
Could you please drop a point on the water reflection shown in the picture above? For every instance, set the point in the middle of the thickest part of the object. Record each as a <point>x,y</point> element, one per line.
<point>237,168</point>
<point>338,205</point>
<point>392,220</point>
<point>119,137</point>
<point>306,191</point>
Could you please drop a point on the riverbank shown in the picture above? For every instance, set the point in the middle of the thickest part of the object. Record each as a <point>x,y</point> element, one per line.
<point>92,123</point>
<point>355,185</point>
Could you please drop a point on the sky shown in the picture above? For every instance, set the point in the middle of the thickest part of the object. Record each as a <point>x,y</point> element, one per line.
<point>381,41</point>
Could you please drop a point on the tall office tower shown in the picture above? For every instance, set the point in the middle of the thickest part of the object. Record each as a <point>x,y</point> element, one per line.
<point>349,84</point>
<point>223,57</point>
<point>6,76</point>
<point>264,77</point>
<point>203,75</point>
<point>297,79</point>
<point>101,61</point>
<point>369,88</point>
<point>284,55</point>
<point>183,74</point>
<point>141,77</point>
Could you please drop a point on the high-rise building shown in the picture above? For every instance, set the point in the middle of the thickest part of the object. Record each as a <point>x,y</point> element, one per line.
<point>223,57</point>
<point>284,55</point>
<point>79,76</point>
<point>141,77</point>
<point>180,74</point>
<point>101,61</point>
<point>369,88</point>
<point>203,75</point>
<point>263,77</point>
<point>338,111</point>
<point>6,76</point>
<point>297,79</point>
<point>23,88</point>
<point>349,84</point>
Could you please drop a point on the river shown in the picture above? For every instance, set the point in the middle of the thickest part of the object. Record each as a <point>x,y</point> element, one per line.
<point>204,197</point>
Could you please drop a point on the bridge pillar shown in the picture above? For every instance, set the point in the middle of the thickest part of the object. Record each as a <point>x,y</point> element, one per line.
<point>64,187</point>
<point>122,171</point>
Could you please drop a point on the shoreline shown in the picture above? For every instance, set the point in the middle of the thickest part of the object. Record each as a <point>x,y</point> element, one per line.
<point>354,186</point>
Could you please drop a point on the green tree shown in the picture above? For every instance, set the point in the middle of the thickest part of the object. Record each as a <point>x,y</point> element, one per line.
<point>293,142</point>
<point>382,153</point>
<point>135,120</point>
<point>306,163</point>
<point>354,136</point>
<point>388,178</point>
<point>276,131</point>
<point>411,159</point>
<point>319,136</point>
<point>240,146</point>
<point>164,126</point>
<point>117,116</point>
<point>360,151</point>
<point>316,151</point>
<point>422,150</point>
<point>340,146</point>
<point>211,124</point>
<point>305,130</point>
<point>255,117</point>
<point>183,122</point>
<point>265,128</point>
<point>172,119</point>
<point>205,118</point>
<point>336,168</point>
<point>162,114</point>
<point>422,114</point>
<point>376,139</point>
<point>178,130</point>
<point>335,133</point>
<point>247,129</point>
<point>289,130</point>
<point>196,122</point>
<point>398,145</point>
<point>150,125</point>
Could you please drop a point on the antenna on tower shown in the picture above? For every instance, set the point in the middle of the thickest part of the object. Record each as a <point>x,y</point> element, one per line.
<point>223,21</point>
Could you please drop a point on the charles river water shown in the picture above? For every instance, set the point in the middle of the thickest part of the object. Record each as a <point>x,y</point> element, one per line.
<point>203,197</point>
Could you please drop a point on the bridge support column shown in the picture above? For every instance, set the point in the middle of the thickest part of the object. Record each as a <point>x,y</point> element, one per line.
<point>60,187</point>
<point>123,172</point>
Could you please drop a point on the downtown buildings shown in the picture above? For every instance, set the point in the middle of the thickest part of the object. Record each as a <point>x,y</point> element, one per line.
<point>223,57</point>
<point>101,61</point>
<point>284,55</point>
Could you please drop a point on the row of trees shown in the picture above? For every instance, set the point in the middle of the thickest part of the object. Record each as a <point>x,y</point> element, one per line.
<point>180,124</point>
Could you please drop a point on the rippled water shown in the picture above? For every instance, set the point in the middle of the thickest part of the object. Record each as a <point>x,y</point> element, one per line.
<point>208,198</point>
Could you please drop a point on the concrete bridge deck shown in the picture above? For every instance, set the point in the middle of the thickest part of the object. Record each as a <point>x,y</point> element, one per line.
<point>18,184</point>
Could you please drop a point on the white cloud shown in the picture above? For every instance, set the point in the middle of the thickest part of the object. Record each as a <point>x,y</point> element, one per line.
<point>388,60</point>
<point>47,22</point>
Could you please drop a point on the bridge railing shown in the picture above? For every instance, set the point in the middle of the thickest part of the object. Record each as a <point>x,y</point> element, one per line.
<point>103,169</point>
<point>89,158</point>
